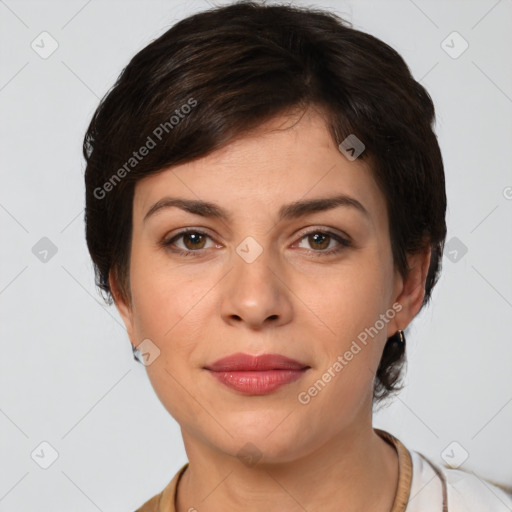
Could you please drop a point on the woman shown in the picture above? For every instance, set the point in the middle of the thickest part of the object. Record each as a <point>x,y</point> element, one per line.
<point>266,207</point>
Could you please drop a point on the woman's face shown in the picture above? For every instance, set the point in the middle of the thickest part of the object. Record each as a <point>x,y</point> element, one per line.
<point>258,283</point>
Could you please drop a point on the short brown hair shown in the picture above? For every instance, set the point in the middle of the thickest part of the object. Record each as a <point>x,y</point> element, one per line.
<point>220,73</point>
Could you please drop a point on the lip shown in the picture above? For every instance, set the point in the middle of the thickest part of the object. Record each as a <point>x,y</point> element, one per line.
<point>264,362</point>
<point>256,375</point>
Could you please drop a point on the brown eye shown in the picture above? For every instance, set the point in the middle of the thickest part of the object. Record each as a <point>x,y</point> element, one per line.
<point>320,242</point>
<point>193,241</point>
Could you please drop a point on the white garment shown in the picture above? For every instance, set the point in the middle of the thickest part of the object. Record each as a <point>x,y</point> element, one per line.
<point>464,491</point>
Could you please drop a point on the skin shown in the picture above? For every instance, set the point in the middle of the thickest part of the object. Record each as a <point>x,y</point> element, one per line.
<point>291,300</point>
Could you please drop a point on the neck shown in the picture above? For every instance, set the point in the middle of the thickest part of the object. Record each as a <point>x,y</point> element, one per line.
<point>355,468</point>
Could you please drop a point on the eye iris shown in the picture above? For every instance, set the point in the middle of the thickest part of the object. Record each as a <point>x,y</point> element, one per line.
<point>195,239</point>
<point>315,237</point>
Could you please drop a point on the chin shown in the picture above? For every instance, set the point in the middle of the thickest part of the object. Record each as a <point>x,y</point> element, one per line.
<point>254,443</point>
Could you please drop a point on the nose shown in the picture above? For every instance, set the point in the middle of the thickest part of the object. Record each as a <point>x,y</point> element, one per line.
<point>256,293</point>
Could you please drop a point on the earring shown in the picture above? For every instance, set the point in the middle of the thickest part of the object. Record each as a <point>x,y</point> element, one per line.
<point>136,353</point>
<point>401,336</point>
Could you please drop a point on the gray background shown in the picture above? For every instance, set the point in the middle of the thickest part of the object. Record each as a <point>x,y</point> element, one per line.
<point>67,373</point>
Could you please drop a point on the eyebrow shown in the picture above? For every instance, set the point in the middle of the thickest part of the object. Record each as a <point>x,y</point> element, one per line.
<point>286,212</point>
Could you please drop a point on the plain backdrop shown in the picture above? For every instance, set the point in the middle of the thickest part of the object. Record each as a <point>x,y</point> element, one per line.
<point>67,375</point>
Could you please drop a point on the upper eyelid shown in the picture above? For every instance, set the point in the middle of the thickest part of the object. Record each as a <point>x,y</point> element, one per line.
<point>183,232</point>
<point>327,230</point>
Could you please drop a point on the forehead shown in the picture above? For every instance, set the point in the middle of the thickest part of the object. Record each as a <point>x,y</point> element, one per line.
<point>284,160</point>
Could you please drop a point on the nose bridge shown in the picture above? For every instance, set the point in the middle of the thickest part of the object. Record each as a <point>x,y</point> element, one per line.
<point>255,292</point>
<point>253,262</point>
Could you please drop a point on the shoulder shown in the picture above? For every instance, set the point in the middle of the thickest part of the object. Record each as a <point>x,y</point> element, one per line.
<point>152,505</point>
<point>465,491</point>
<point>164,501</point>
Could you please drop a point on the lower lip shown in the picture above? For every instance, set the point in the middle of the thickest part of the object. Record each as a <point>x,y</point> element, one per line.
<point>258,382</point>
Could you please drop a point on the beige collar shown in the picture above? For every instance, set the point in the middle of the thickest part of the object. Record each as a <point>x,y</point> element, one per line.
<point>166,500</point>
<point>403,489</point>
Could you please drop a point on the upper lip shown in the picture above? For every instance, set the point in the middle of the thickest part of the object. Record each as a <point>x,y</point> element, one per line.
<point>246,362</point>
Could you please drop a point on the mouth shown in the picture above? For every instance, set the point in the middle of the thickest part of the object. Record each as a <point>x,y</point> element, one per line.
<point>264,362</point>
<point>256,375</point>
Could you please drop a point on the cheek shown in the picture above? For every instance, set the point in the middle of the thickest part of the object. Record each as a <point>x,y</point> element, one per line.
<point>171,308</point>
<point>165,294</point>
<point>168,311</point>
<point>351,299</point>
<point>352,334</point>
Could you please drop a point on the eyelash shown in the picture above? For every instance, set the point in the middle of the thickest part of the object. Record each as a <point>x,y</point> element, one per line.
<point>344,243</point>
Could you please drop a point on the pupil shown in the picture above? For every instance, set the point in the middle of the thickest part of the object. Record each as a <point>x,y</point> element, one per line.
<point>322,236</point>
<point>195,238</point>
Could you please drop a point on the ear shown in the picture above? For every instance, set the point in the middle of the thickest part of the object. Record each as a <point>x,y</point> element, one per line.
<point>123,306</point>
<point>410,291</point>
